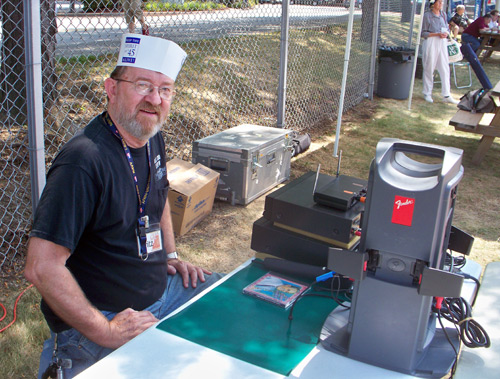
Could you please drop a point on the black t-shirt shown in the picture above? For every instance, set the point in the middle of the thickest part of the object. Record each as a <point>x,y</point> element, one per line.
<point>90,206</point>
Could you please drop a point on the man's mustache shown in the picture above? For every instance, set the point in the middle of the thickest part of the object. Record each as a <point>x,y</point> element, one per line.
<point>148,107</point>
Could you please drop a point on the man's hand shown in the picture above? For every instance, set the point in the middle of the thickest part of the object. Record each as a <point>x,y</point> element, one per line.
<point>45,268</point>
<point>126,325</point>
<point>187,271</point>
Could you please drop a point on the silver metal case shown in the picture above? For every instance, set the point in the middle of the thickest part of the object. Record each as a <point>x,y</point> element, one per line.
<point>251,159</point>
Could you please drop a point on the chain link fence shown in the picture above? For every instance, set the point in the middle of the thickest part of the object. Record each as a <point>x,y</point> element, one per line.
<point>231,76</point>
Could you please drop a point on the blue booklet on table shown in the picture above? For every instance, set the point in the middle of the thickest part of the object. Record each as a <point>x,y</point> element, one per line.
<point>276,289</point>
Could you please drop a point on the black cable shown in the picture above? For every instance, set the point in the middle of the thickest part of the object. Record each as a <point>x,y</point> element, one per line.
<point>290,315</point>
<point>458,311</point>
<point>470,332</point>
<point>447,317</point>
<point>331,296</point>
<point>454,366</point>
<point>467,276</point>
<point>454,262</point>
<point>336,292</point>
<point>335,297</point>
<point>346,293</point>
<point>450,342</point>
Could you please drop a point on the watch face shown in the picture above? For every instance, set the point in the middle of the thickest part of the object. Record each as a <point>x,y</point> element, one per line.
<point>172,255</point>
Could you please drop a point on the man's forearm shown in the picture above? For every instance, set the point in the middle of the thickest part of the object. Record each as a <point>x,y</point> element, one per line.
<point>72,306</point>
<point>45,268</point>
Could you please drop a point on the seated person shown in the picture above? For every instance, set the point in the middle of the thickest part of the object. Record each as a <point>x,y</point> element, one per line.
<point>472,34</point>
<point>493,25</point>
<point>102,250</point>
<point>459,22</point>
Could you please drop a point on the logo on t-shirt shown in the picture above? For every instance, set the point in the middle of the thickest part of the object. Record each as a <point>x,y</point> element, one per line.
<point>160,173</point>
<point>157,161</point>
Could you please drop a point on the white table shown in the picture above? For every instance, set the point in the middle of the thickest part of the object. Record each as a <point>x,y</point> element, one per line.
<point>481,362</point>
<point>157,354</point>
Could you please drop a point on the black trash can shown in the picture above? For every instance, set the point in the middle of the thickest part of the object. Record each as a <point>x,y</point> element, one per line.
<point>395,67</point>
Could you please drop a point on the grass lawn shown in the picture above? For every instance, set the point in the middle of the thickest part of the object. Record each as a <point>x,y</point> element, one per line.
<point>222,241</point>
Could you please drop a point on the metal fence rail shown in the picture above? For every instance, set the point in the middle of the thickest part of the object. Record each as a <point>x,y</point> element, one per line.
<point>231,76</point>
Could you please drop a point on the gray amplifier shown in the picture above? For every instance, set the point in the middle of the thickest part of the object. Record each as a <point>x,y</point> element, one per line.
<point>406,227</point>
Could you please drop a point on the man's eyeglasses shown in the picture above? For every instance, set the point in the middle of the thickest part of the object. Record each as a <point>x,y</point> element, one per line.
<point>144,88</point>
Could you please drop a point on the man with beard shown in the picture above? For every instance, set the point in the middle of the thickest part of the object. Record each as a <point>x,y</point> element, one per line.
<point>102,250</point>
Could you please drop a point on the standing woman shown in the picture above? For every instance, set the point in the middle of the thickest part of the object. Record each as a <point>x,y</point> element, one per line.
<point>435,51</point>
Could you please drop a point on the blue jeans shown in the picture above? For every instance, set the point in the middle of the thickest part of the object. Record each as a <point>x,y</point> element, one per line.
<point>83,353</point>
<point>473,41</point>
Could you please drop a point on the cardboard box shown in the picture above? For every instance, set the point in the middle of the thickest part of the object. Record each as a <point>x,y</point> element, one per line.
<point>191,195</point>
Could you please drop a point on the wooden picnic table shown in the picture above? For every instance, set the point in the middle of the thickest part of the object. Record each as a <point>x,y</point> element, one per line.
<point>490,43</point>
<point>485,124</point>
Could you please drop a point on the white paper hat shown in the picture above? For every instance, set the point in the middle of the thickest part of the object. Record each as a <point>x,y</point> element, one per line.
<point>151,53</point>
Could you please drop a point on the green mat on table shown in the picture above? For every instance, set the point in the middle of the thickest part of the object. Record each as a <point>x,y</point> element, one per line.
<point>251,329</point>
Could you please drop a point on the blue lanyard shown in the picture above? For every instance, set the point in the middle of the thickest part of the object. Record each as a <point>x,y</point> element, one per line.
<point>143,222</point>
<point>128,155</point>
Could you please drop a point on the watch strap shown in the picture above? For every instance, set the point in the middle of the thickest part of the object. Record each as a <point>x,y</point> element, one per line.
<point>173,255</point>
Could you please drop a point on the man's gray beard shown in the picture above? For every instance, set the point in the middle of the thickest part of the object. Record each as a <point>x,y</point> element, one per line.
<point>134,127</point>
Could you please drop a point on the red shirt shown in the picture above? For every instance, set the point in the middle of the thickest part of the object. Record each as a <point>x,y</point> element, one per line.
<point>473,29</point>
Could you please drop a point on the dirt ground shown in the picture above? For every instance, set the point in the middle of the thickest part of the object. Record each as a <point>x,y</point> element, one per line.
<point>221,242</point>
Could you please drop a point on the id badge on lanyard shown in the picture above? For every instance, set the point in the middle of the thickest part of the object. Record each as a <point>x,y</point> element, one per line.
<point>148,238</point>
<point>148,235</point>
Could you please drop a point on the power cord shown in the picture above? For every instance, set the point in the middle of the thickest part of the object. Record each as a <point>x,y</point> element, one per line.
<point>15,310</point>
<point>454,262</point>
<point>470,332</point>
<point>478,284</point>
<point>333,295</point>
<point>290,315</point>
<point>459,312</point>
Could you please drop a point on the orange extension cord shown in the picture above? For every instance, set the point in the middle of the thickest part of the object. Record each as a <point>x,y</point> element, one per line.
<point>15,309</point>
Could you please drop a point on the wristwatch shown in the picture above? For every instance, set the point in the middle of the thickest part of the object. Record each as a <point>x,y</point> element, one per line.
<point>172,255</point>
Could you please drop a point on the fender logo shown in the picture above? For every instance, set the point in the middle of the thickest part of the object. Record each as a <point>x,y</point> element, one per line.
<point>400,203</point>
<point>402,211</point>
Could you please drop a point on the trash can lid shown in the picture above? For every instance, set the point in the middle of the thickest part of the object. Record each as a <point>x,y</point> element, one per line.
<point>397,53</point>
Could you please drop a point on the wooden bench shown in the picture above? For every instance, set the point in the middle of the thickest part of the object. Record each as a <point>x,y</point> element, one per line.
<point>485,124</point>
<point>490,42</point>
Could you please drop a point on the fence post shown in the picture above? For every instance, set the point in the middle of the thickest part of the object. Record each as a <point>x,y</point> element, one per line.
<point>347,56</point>
<point>34,96</point>
<point>285,21</point>
<point>373,58</point>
